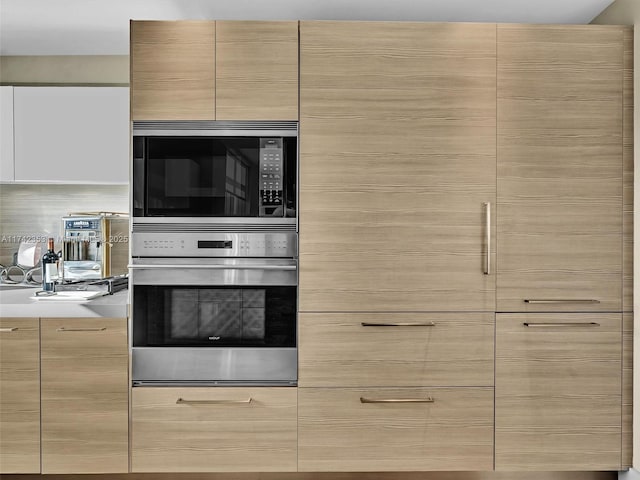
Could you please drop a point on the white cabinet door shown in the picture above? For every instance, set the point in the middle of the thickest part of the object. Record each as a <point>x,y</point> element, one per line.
<point>6,134</point>
<point>71,134</point>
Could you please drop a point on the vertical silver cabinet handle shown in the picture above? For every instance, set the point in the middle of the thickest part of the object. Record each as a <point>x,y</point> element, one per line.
<point>7,330</point>
<point>487,266</point>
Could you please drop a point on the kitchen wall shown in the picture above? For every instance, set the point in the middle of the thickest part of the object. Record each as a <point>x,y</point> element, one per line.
<point>28,211</point>
<point>627,12</point>
<point>35,210</point>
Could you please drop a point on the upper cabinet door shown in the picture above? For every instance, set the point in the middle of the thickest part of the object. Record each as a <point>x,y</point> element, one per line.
<point>398,158</point>
<point>256,70</point>
<point>559,168</point>
<point>71,134</point>
<point>173,70</point>
<point>6,134</point>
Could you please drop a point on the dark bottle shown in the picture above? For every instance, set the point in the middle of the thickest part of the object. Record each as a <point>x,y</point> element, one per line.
<point>49,268</point>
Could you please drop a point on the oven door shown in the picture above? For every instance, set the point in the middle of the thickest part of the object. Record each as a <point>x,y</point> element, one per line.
<point>214,321</point>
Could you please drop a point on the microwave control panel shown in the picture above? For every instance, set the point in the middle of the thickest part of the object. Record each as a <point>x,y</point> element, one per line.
<point>271,177</point>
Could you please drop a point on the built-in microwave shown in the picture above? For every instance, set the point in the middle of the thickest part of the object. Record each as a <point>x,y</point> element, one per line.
<point>215,172</point>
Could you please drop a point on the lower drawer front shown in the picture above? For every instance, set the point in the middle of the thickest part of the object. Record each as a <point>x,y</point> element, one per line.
<point>338,432</point>
<point>213,429</point>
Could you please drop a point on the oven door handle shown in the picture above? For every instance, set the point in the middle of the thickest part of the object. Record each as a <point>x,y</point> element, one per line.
<point>216,267</point>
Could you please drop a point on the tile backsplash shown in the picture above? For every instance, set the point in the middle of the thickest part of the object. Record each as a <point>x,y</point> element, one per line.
<point>34,211</point>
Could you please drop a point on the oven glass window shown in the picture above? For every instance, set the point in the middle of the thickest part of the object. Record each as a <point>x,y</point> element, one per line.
<point>214,316</point>
<point>217,176</point>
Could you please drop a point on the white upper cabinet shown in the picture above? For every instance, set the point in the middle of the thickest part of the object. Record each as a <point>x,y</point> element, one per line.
<point>71,134</point>
<point>6,134</point>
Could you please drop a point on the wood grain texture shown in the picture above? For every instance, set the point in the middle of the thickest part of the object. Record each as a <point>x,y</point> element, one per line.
<point>258,436</point>
<point>627,173</point>
<point>627,390</point>
<point>84,396</point>
<point>558,392</point>
<point>20,395</point>
<point>339,433</point>
<point>173,70</point>
<point>335,350</point>
<point>559,166</point>
<point>338,476</point>
<point>397,154</point>
<point>256,70</point>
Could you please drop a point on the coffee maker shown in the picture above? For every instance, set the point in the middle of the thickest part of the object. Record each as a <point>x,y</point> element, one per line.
<point>95,245</point>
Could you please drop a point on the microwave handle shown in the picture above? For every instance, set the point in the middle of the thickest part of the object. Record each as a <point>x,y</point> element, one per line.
<point>215,267</point>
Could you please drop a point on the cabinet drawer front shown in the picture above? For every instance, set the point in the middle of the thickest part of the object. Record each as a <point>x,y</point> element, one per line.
<point>338,432</point>
<point>84,395</point>
<point>213,429</point>
<point>558,391</point>
<point>375,349</point>
<point>19,395</point>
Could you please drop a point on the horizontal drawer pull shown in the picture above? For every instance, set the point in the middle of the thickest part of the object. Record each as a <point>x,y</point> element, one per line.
<point>212,402</point>
<point>397,400</point>
<point>7,330</point>
<point>561,324</point>
<point>583,300</point>
<point>99,329</point>
<point>399,324</point>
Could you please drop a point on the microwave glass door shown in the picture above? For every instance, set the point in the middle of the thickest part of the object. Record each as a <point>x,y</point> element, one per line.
<point>199,316</point>
<point>216,176</point>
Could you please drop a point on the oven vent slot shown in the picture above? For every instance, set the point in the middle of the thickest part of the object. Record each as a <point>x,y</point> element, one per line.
<point>215,128</point>
<point>203,227</point>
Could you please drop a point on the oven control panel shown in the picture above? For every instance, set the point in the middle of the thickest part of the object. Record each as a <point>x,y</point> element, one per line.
<point>175,244</point>
<point>271,177</point>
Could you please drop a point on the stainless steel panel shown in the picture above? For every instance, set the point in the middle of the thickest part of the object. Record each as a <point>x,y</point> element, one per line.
<point>216,128</point>
<point>158,364</point>
<point>190,244</point>
<point>214,271</point>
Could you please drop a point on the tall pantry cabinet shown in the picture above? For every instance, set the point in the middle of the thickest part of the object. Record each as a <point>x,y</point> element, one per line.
<point>460,181</point>
<point>397,173</point>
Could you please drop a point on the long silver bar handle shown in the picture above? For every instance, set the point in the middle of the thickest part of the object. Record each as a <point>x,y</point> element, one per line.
<point>397,400</point>
<point>399,324</point>
<point>561,324</point>
<point>216,267</point>
<point>487,265</point>
<point>542,300</point>
<point>64,329</point>
<point>212,402</point>
<point>7,330</point>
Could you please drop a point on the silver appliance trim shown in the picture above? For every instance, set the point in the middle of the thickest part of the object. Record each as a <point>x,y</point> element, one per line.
<point>214,272</point>
<point>207,244</point>
<point>218,224</point>
<point>216,128</point>
<point>177,365</point>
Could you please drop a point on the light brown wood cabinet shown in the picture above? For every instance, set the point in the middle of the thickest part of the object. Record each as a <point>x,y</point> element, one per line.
<point>410,429</point>
<point>256,70</point>
<point>173,70</point>
<point>560,128</point>
<point>19,395</point>
<point>208,70</point>
<point>214,429</point>
<point>397,164</point>
<point>558,391</point>
<point>395,349</point>
<point>85,389</point>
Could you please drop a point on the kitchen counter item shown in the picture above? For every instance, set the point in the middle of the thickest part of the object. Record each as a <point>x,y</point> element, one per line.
<point>70,296</point>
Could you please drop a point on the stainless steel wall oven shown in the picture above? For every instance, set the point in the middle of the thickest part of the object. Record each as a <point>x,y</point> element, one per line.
<point>214,268</point>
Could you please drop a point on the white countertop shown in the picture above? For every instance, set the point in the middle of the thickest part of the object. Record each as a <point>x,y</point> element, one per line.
<point>17,302</point>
